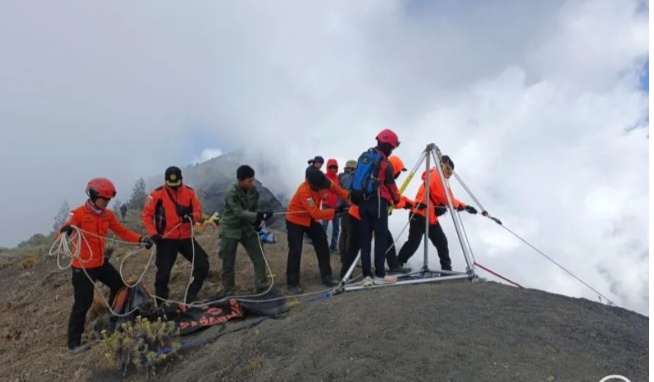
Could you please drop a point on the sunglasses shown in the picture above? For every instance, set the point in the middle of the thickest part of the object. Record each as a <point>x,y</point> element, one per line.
<point>333,167</point>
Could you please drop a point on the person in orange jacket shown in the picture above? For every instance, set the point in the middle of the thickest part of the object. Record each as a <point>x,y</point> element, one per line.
<point>168,215</point>
<point>330,201</point>
<point>354,246</point>
<point>438,201</point>
<point>94,220</point>
<point>316,163</point>
<point>302,216</point>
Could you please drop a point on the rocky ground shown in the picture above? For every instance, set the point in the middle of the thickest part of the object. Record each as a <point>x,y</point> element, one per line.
<point>457,331</point>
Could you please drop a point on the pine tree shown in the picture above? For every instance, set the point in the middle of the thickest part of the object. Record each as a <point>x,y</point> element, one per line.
<point>138,195</point>
<point>61,216</point>
<point>117,203</point>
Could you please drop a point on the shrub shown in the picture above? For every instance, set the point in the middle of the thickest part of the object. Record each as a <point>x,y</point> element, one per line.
<point>29,262</point>
<point>137,343</point>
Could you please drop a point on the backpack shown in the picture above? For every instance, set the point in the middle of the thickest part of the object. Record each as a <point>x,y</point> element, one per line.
<point>344,180</point>
<point>365,180</point>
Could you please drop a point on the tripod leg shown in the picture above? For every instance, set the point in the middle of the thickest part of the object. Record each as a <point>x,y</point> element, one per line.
<point>455,215</point>
<point>425,266</point>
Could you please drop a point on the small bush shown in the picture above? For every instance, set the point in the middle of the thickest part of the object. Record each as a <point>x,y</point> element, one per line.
<point>29,262</point>
<point>4,262</point>
<point>137,343</point>
<point>36,239</point>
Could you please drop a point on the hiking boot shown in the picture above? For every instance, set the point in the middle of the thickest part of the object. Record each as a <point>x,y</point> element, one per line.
<point>367,282</point>
<point>384,280</point>
<point>330,282</point>
<point>78,349</point>
<point>399,270</point>
<point>294,289</point>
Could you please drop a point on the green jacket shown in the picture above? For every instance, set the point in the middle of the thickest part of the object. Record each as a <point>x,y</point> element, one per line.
<point>240,212</point>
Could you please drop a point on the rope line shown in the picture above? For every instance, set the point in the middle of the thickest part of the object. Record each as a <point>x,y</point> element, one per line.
<point>64,244</point>
<point>485,214</point>
<point>558,265</point>
<point>497,274</point>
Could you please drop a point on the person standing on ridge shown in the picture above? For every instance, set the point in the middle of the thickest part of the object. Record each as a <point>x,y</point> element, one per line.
<point>344,180</point>
<point>123,211</point>
<point>373,189</point>
<point>168,215</point>
<point>302,216</point>
<point>330,201</point>
<point>316,162</point>
<point>240,223</point>
<point>355,222</point>
<point>437,201</point>
<point>90,264</point>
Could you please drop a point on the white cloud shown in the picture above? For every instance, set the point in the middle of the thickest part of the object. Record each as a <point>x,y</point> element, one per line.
<point>531,100</point>
<point>207,154</point>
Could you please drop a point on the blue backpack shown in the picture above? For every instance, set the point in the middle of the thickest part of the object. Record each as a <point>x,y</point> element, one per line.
<point>364,181</point>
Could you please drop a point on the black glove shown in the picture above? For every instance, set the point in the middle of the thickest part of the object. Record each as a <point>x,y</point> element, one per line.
<point>147,241</point>
<point>421,206</point>
<point>471,209</point>
<point>156,239</point>
<point>265,215</point>
<point>459,208</point>
<point>408,205</point>
<point>440,210</point>
<point>342,208</point>
<point>183,211</point>
<point>67,229</point>
<point>257,225</point>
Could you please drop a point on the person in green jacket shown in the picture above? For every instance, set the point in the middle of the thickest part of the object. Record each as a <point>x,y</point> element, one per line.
<point>239,224</point>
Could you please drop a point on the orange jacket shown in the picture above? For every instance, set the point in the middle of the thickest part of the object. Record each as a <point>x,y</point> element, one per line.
<point>305,204</point>
<point>160,213</point>
<point>436,195</point>
<point>354,209</point>
<point>96,224</point>
<point>329,198</point>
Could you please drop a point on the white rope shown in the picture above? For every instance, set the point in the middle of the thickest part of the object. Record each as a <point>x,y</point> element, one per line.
<point>63,248</point>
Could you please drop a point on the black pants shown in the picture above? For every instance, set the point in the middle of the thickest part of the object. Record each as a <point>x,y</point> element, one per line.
<point>167,254</point>
<point>83,295</point>
<point>374,219</point>
<point>295,234</point>
<point>354,245</point>
<point>436,236</point>
<point>344,239</point>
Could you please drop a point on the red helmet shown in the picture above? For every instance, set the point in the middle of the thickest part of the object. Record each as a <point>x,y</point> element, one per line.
<point>100,188</point>
<point>388,136</point>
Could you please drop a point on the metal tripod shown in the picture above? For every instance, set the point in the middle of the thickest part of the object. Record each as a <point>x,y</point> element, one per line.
<point>431,152</point>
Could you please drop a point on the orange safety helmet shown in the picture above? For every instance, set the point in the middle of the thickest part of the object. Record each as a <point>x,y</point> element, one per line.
<point>388,136</point>
<point>100,188</point>
<point>398,165</point>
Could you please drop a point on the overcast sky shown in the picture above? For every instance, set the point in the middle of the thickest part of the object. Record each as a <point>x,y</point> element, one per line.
<point>539,103</point>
